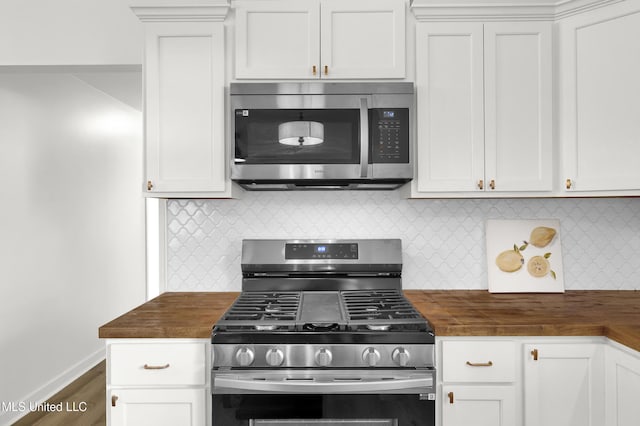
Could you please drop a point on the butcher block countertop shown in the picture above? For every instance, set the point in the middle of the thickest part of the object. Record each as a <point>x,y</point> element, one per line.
<point>614,314</point>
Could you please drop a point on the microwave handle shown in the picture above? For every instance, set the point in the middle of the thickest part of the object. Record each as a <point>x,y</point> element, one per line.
<point>364,137</point>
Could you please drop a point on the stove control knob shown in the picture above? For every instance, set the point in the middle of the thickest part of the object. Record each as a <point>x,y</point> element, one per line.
<point>323,357</point>
<point>274,357</point>
<point>400,356</point>
<point>371,356</point>
<point>244,356</point>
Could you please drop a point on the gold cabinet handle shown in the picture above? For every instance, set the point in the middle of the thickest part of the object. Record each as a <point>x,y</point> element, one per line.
<point>534,354</point>
<point>450,395</point>
<point>568,184</point>
<point>114,398</point>
<point>480,184</point>
<point>480,364</point>
<point>155,367</point>
<point>149,185</point>
<point>492,184</point>
<point>314,70</point>
<point>326,70</point>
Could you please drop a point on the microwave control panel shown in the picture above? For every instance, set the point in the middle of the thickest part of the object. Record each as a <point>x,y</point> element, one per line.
<point>389,136</point>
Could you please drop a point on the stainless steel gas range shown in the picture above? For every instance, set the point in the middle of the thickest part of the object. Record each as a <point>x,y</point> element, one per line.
<point>322,335</point>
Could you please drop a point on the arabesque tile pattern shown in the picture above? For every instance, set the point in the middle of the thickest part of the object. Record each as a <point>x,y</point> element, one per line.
<point>443,240</point>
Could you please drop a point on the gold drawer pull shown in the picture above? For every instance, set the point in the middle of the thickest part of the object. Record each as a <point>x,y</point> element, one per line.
<point>114,398</point>
<point>480,364</point>
<point>155,367</point>
<point>313,70</point>
<point>534,354</point>
<point>568,184</point>
<point>492,184</point>
<point>450,395</point>
<point>326,70</point>
<point>480,184</point>
<point>149,185</point>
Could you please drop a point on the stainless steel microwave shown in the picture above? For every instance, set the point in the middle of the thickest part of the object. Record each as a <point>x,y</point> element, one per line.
<point>322,135</point>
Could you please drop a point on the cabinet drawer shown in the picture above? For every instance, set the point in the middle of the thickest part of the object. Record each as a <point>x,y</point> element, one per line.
<point>157,364</point>
<point>478,361</point>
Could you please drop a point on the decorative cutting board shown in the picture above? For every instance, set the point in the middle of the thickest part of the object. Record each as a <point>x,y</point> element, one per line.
<point>524,256</point>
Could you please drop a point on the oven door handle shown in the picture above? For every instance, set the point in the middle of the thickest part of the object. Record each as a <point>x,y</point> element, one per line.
<point>231,385</point>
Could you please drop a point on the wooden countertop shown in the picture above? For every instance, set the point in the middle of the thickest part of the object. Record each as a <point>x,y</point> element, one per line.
<point>172,315</point>
<point>614,314</point>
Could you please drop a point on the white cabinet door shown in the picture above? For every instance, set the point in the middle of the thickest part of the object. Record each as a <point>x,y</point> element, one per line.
<point>484,107</point>
<point>362,38</point>
<point>450,115</point>
<point>518,106</point>
<point>184,107</point>
<point>479,406</point>
<point>600,98</point>
<point>157,407</point>
<point>328,39</point>
<point>622,387</point>
<point>277,39</point>
<point>563,384</point>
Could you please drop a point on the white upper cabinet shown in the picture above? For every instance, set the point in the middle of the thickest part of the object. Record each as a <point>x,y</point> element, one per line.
<point>600,99</point>
<point>184,91</point>
<point>484,108</point>
<point>277,39</point>
<point>328,39</point>
<point>450,112</point>
<point>184,83</point>
<point>518,106</point>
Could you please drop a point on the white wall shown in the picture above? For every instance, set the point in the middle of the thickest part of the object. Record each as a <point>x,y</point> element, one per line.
<point>69,32</point>
<point>71,228</point>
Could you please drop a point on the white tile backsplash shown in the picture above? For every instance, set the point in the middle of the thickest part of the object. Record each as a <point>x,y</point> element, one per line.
<point>443,240</point>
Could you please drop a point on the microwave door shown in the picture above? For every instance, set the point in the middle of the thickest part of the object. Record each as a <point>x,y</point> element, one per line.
<point>301,143</point>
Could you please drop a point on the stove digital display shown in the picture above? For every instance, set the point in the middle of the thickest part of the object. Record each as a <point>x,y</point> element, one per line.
<point>312,251</point>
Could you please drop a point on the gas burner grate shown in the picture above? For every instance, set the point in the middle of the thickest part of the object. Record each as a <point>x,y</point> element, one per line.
<point>381,310</point>
<point>262,311</point>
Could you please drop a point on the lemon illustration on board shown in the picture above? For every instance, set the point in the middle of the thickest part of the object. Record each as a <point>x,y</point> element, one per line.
<point>542,236</point>
<point>538,266</point>
<point>510,260</point>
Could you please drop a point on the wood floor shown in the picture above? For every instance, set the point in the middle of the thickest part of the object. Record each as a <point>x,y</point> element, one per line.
<point>88,389</point>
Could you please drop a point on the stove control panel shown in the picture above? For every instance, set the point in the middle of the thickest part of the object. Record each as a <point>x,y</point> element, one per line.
<point>335,356</point>
<point>313,251</point>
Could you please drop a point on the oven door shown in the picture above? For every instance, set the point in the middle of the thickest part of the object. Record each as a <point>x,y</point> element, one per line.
<point>324,397</point>
<point>300,137</point>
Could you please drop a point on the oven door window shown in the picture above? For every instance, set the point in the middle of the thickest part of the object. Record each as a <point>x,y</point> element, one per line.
<point>297,136</point>
<point>323,410</point>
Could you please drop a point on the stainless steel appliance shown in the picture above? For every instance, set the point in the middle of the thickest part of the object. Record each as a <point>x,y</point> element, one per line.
<point>322,335</point>
<point>322,135</point>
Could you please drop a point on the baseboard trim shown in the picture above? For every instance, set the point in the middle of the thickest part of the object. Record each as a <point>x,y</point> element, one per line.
<point>54,386</point>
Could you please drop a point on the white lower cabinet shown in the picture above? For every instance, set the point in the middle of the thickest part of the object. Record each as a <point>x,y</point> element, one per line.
<point>479,383</point>
<point>564,384</point>
<point>170,407</point>
<point>622,387</point>
<point>479,405</point>
<point>537,381</point>
<point>158,382</point>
